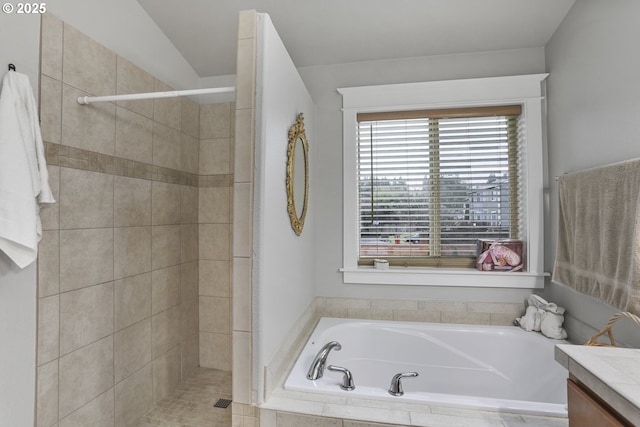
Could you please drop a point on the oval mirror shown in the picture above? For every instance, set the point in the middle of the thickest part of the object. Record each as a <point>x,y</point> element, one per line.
<point>297,175</point>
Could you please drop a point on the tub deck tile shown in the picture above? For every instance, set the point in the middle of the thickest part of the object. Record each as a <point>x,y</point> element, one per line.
<point>376,403</point>
<point>538,422</point>
<point>381,414</point>
<point>470,413</point>
<point>295,405</point>
<point>432,420</point>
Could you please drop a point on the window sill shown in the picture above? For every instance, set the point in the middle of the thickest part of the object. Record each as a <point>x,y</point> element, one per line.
<point>463,277</point>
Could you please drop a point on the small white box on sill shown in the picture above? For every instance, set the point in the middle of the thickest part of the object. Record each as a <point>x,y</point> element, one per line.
<point>381,264</point>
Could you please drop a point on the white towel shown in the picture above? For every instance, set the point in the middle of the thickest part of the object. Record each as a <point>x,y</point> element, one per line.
<point>24,180</point>
<point>531,320</point>
<point>551,326</point>
<point>543,316</point>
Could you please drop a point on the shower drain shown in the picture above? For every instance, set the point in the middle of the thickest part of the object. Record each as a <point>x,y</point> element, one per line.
<point>222,403</point>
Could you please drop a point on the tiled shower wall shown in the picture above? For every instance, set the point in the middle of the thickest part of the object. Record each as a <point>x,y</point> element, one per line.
<point>216,159</point>
<point>119,266</point>
<point>243,411</point>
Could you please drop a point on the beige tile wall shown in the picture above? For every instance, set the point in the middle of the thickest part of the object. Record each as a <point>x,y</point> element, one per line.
<point>243,166</point>
<point>214,218</point>
<point>119,265</point>
<point>460,312</point>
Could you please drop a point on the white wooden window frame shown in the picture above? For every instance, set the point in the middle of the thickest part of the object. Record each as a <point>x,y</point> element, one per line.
<point>527,91</point>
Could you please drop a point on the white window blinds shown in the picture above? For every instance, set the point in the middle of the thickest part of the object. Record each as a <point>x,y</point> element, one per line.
<point>431,183</point>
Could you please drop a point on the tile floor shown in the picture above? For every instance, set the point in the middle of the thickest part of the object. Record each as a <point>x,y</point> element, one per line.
<point>191,405</point>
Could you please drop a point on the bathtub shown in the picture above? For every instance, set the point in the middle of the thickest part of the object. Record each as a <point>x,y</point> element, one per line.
<point>496,368</point>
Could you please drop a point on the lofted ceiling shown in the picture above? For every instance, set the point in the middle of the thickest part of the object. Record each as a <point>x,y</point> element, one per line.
<point>322,32</point>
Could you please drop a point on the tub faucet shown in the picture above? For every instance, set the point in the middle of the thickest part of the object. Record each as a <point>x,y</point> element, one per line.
<point>347,378</point>
<point>317,366</point>
<point>395,389</point>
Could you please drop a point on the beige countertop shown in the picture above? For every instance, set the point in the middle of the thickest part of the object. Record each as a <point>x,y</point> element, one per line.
<point>612,373</point>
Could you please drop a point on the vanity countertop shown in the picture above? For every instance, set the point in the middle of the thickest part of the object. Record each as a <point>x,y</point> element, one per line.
<point>612,373</point>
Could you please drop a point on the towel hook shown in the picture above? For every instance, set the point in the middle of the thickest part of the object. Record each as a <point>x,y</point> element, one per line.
<point>12,67</point>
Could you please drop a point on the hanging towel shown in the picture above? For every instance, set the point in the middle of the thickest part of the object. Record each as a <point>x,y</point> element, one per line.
<point>598,246</point>
<point>24,180</point>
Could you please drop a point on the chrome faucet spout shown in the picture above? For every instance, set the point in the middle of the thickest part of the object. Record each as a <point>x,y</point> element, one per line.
<point>316,370</point>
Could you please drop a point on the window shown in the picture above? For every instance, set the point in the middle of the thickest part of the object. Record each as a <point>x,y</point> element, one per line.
<point>431,183</point>
<point>430,168</point>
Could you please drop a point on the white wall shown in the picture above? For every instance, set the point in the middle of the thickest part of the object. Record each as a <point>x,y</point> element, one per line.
<point>21,45</point>
<point>18,337</point>
<point>322,82</point>
<point>283,262</point>
<point>594,106</point>
<point>124,27</point>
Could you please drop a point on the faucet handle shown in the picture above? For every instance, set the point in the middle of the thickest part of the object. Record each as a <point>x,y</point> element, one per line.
<point>347,379</point>
<point>395,389</point>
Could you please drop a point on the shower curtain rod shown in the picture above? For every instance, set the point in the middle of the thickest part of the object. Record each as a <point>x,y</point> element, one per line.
<point>84,100</point>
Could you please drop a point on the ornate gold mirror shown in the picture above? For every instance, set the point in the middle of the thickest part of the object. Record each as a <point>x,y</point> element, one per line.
<point>297,174</point>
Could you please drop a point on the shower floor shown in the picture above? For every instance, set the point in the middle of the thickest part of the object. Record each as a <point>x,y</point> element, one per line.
<point>192,404</point>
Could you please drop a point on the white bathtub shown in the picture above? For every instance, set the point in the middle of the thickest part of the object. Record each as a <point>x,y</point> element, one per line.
<point>500,368</point>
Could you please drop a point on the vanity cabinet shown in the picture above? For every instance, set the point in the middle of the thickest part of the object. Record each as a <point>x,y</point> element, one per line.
<point>586,409</point>
<point>604,385</point>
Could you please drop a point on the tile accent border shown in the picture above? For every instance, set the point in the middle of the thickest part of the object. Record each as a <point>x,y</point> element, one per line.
<point>78,158</point>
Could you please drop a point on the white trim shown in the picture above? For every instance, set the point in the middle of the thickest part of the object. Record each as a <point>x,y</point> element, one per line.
<point>526,91</point>
<point>449,93</point>
<point>416,276</point>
